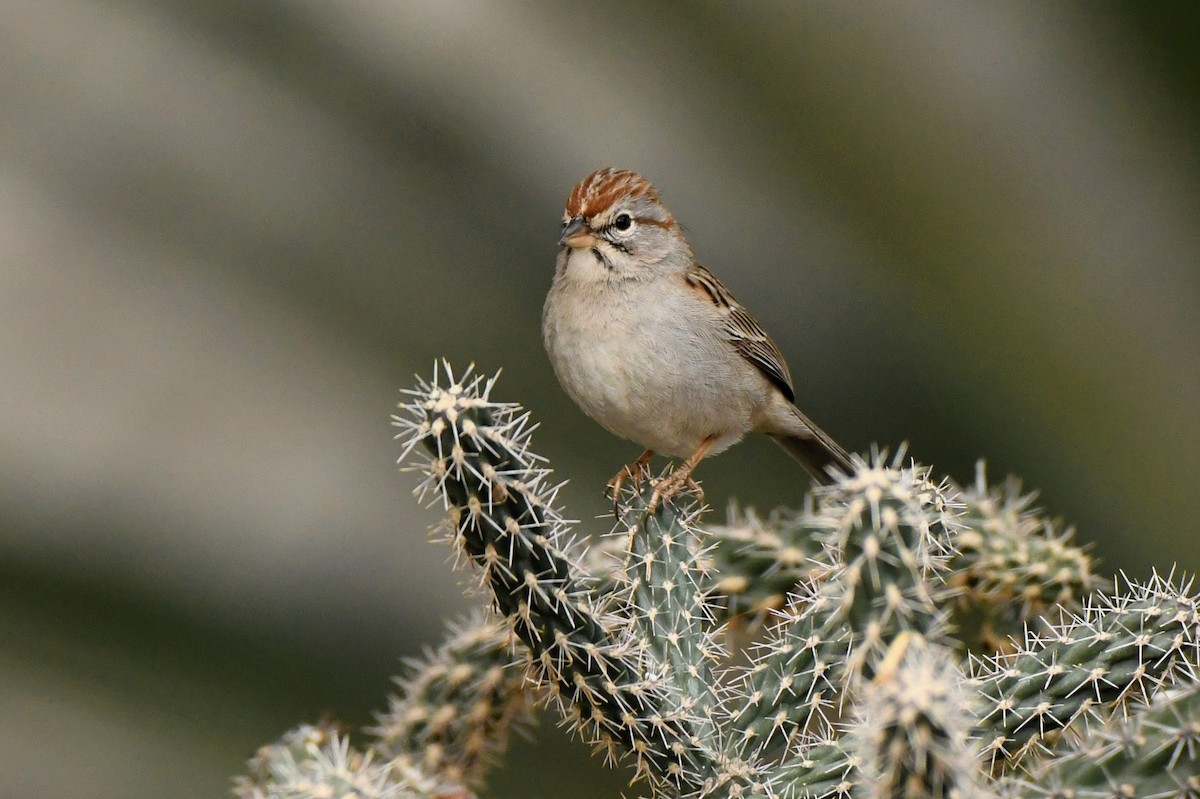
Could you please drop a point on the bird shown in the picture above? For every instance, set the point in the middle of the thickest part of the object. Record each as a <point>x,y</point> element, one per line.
<point>653,347</point>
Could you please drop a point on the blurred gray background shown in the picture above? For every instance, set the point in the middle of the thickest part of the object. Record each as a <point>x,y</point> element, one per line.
<point>230,232</point>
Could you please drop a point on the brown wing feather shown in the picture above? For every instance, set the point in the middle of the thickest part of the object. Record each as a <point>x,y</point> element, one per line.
<point>745,334</point>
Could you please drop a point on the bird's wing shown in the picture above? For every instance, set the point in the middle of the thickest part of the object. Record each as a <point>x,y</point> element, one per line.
<point>745,334</point>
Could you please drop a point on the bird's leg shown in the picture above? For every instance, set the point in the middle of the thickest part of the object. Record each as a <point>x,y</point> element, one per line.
<point>673,483</point>
<point>637,471</point>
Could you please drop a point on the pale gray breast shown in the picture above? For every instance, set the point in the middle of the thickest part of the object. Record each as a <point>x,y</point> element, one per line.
<point>586,334</point>
<point>649,362</point>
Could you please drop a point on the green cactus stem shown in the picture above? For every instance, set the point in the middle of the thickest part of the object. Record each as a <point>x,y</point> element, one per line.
<point>885,533</point>
<point>316,761</point>
<point>756,563</point>
<point>1154,752</point>
<point>456,705</point>
<point>1120,649</point>
<point>911,737</point>
<point>1012,565</point>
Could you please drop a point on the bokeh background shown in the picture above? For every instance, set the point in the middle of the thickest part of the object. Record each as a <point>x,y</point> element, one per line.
<point>230,232</point>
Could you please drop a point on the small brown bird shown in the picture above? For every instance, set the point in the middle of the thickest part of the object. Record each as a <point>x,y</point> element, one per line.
<point>652,346</point>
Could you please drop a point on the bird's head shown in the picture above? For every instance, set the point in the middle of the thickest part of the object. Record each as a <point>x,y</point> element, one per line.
<point>615,220</point>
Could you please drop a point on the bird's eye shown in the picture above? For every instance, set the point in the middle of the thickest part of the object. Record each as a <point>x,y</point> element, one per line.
<point>623,222</point>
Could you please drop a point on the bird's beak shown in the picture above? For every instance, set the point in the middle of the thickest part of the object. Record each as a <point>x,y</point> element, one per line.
<point>576,234</point>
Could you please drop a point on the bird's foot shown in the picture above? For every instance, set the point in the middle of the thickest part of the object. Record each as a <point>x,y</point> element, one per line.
<point>669,487</point>
<point>637,472</point>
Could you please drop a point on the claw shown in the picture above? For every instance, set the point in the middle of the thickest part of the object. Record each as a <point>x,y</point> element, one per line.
<point>638,472</point>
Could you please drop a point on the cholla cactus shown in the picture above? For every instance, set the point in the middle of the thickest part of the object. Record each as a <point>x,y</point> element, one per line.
<point>315,761</point>
<point>1151,753</point>
<point>864,680</point>
<point>1012,564</point>
<point>914,723</point>
<point>456,705</point>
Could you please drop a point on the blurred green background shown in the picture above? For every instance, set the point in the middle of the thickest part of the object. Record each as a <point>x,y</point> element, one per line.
<point>229,232</point>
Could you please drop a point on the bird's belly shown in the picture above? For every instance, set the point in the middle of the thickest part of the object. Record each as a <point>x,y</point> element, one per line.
<point>642,380</point>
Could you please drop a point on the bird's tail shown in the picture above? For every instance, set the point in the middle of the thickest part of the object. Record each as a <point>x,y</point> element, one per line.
<point>815,450</point>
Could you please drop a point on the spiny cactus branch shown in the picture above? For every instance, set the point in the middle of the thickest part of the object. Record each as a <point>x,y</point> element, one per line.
<point>886,537</point>
<point>1012,565</point>
<point>757,562</point>
<point>1154,752</point>
<point>456,705</point>
<point>1120,649</point>
<point>506,523</point>
<point>666,591</point>
<point>911,737</point>
<point>313,762</point>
